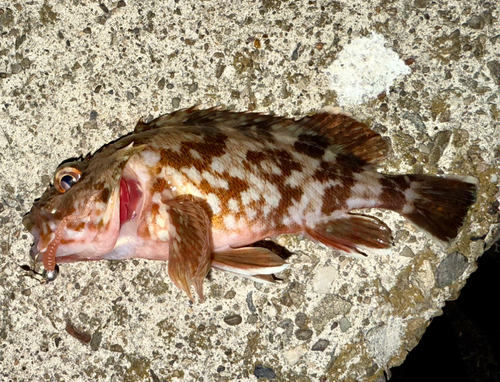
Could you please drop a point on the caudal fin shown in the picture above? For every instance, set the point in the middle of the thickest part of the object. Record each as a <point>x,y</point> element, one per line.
<point>438,205</point>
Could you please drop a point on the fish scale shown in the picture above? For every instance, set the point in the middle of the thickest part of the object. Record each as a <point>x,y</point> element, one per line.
<point>199,187</point>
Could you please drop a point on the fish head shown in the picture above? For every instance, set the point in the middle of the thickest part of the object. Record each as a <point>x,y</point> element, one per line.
<point>79,216</point>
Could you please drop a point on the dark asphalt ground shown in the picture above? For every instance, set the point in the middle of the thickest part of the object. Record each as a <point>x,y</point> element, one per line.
<point>462,345</point>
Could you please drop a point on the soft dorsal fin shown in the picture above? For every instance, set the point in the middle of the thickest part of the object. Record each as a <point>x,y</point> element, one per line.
<point>349,134</point>
<point>342,133</point>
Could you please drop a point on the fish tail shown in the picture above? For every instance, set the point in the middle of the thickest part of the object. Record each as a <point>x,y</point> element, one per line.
<point>436,204</point>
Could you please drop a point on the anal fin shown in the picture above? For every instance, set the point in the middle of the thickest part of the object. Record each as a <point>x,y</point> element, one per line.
<point>253,262</point>
<point>352,231</point>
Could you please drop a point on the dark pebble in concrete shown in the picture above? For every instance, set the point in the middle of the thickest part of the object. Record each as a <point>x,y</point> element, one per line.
<point>494,67</point>
<point>95,341</point>
<point>233,319</point>
<point>450,269</point>
<point>262,371</point>
<point>301,320</point>
<point>321,345</point>
<point>303,334</point>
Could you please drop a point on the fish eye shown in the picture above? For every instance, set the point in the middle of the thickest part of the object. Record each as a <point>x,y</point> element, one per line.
<point>66,178</point>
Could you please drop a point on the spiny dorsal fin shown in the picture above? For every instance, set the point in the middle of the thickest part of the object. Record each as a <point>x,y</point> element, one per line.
<point>213,117</point>
<point>341,131</point>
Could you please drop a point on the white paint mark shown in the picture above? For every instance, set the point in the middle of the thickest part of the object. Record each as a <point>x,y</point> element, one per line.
<point>270,167</point>
<point>52,225</point>
<point>256,182</point>
<point>162,217</point>
<point>249,196</point>
<point>408,209</point>
<point>364,69</point>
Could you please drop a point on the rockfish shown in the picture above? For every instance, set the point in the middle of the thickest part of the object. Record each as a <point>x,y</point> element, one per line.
<point>198,187</point>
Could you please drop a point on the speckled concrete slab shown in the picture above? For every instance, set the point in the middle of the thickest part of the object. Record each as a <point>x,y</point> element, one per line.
<point>76,74</point>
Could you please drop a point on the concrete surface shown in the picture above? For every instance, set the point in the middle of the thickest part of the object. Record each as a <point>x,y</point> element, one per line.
<point>76,74</point>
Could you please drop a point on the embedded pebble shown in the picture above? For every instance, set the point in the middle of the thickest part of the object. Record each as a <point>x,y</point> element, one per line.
<point>323,279</point>
<point>301,320</point>
<point>252,319</point>
<point>233,319</point>
<point>250,304</point>
<point>321,345</point>
<point>344,324</point>
<point>95,341</point>
<point>407,252</point>
<point>424,149</point>
<point>303,334</point>
<point>292,356</point>
<point>494,67</point>
<point>262,371</point>
<point>450,269</point>
<point>176,101</point>
<point>116,348</point>
<point>285,323</point>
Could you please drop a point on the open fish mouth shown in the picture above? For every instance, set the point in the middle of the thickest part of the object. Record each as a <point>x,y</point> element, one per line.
<point>130,199</point>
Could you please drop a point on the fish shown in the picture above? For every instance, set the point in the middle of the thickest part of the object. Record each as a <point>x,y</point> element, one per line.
<point>198,187</point>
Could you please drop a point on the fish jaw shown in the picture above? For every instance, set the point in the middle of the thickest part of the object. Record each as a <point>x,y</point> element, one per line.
<point>83,235</point>
<point>84,221</point>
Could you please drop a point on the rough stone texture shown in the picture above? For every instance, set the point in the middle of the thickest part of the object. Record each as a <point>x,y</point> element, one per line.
<point>76,74</point>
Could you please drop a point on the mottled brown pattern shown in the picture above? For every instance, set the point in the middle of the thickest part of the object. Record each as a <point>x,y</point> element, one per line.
<point>158,185</point>
<point>311,145</point>
<point>393,188</point>
<point>334,198</point>
<point>273,161</point>
<point>235,187</point>
<point>155,209</point>
<point>283,160</point>
<point>213,145</point>
<point>289,197</point>
<point>342,168</point>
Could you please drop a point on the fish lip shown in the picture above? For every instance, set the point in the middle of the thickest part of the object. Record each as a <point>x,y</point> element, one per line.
<point>130,199</point>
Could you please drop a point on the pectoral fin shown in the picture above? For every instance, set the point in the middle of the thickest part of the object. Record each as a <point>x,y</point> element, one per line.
<point>190,244</point>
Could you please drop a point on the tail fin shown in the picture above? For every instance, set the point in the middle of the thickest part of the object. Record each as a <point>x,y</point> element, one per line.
<point>439,205</point>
